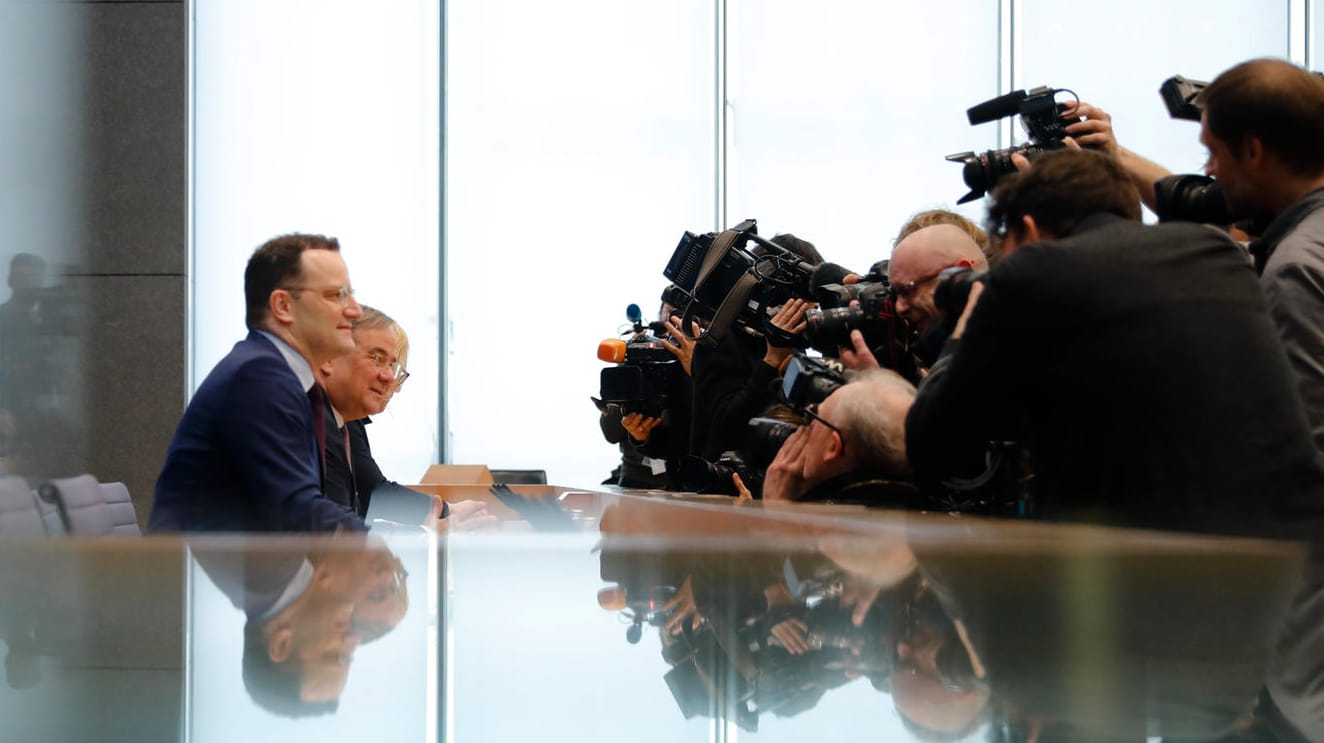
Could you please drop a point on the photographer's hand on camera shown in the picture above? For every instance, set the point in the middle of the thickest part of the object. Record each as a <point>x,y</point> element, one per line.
<point>789,318</point>
<point>640,426</point>
<point>683,345</point>
<point>858,356</point>
<point>1097,131</point>
<point>681,608</point>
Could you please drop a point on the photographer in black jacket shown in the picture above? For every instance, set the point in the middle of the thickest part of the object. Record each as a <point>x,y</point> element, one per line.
<point>1141,359</point>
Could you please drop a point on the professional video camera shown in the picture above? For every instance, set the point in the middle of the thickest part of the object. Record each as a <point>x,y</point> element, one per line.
<point>1041,118</point>
<point>763,438</point>
<point>1185,97</point>
<point>645,370</point>
<point>736,278</point>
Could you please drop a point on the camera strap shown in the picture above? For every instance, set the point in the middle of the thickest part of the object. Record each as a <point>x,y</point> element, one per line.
<point>726,314</point>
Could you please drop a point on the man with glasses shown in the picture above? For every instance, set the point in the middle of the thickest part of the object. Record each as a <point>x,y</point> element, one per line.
<point>248,454</point>
<point>1138,361</point>
<point>852,449</point>
<point>913,271</point>
<point>358,385</point>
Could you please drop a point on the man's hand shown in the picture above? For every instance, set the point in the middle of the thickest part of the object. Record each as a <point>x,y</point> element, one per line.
<point>680,608</point>
<point>742,493</point>
<point>683,347</point>
<point>640,426</point>
<point>1095,131</point>
<point>792,635</point>
<point>785,477</point>
<point>859,356</point>
<point>467,515</point>
<point>789,318</point>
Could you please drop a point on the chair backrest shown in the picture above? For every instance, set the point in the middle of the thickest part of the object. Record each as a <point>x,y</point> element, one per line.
<point>520,477</point>
<point>91,508</point>
<point>22,514</point>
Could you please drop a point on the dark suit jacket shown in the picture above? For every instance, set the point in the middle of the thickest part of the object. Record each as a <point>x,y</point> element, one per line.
<point>352,488</point>
<point>244,457</point>
<point>1154,387</point>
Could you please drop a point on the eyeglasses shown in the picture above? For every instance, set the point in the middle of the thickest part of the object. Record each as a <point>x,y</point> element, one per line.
<point>341,294</point>
<point>904,291</point>
<point>397,372</point>
<point>812,412</point>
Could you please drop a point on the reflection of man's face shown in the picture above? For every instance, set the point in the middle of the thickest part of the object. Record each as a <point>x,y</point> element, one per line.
<point>326,653</point>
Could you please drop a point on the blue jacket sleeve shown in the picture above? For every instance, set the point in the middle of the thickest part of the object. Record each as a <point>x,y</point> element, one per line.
<point>269,428</point>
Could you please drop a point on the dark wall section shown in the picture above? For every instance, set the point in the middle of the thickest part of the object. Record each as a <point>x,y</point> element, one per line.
<point>92,239</point>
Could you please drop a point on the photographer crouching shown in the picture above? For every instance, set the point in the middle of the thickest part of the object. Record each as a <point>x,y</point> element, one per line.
<point>1140,361</point>
<point>853,448</point>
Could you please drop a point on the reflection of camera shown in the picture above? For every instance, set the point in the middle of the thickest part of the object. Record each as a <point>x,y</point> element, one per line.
<point>735,278</point>
<point>645,370</point>
<point>1041,117</point>
<point>646,609</point>
<point>953,291</point>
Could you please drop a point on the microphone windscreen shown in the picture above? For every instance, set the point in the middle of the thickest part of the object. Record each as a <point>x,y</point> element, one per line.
<point>996,108</point>
<point>612,350</point>
<point>827,273</point>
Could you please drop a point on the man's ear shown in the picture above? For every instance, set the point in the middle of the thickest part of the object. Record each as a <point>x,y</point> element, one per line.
<point>279,643</point>
<point>836,448</point>
<point>325,370</point>
<point>281,306</point>
<point>1252,152</point>
<point>1028,233</point>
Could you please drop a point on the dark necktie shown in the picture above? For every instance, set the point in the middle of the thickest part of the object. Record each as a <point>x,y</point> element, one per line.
<point>317,398</point>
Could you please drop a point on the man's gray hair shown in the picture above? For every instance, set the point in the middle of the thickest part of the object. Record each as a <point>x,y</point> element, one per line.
<point>872,418</point>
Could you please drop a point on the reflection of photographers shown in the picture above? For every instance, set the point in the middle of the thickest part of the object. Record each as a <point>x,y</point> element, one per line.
<point>1141,359</point>
<point>853,448</point>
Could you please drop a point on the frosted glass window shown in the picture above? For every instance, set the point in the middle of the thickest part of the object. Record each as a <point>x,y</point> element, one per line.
<point>579,148</point>
<point>323,117</point>
<point>841,114</point>
<point>1118,59</point>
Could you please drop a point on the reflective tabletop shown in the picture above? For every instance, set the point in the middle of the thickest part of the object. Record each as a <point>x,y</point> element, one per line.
<point>585,616</point>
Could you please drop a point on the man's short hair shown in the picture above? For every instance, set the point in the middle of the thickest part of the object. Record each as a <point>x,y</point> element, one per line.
<point>874,432</point>
<point>934,217</point>
<point>275,265</point>
<point>1060,190</point>
<point>1274,101</point>
<point>275,687</point>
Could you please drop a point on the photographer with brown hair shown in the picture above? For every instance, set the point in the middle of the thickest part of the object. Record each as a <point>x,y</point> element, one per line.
<point>1140,359</point>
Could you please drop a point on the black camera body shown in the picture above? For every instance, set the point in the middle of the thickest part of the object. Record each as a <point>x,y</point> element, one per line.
<point>763,439</point>
<point>734,278</point>
<point>953,291</point>
<point>645,371</point>
<point>1041,118</point>
<point>808,380</point>
<point>866,306</point>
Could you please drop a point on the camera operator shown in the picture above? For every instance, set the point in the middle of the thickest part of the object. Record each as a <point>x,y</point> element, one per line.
<point>1141,360</point>
<point>1262,125</point>
<point>853,448</point>
<point>733,378</point>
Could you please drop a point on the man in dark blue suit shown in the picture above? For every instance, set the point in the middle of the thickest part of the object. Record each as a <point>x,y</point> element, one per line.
<point>247,455</point>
